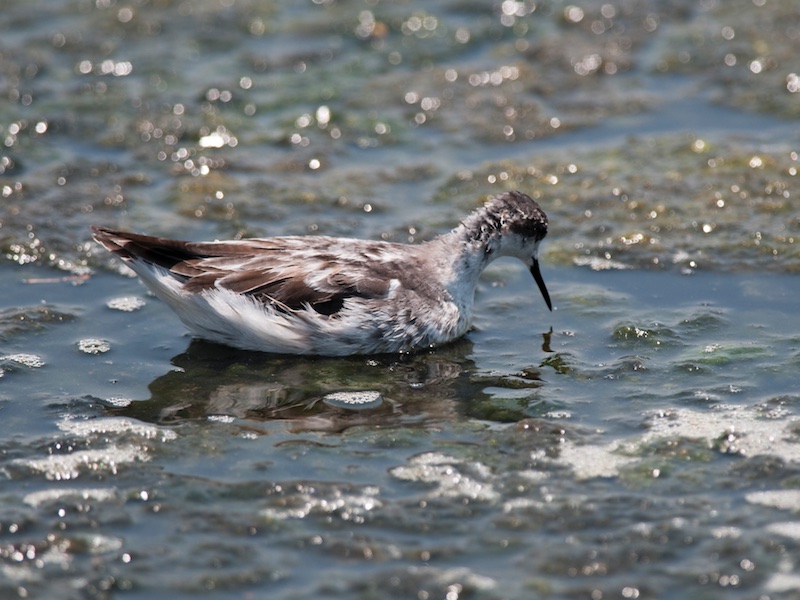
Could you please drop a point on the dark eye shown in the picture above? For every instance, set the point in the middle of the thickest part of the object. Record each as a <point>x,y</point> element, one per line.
<point>530,229</point>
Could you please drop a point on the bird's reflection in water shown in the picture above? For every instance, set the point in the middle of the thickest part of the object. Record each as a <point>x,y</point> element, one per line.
<point>211,380</point>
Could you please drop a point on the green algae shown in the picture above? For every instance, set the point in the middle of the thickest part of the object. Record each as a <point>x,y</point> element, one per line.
<point>633,459</point>
<point>237,116</point>
<point>660,203</point>
<point>745,53</point>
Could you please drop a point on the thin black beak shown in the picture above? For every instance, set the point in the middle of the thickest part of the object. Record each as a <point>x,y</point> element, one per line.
<point>537,277</point>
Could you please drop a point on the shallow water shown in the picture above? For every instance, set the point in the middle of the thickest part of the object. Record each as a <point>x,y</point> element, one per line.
<point>639,441</point>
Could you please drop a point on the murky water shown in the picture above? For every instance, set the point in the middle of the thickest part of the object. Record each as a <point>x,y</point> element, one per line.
<point>641,441</point>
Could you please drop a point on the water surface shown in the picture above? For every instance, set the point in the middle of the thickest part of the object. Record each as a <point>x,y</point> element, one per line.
<point>640,441</point>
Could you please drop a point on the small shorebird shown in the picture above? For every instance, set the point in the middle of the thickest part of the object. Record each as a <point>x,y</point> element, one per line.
<point>334,296</point>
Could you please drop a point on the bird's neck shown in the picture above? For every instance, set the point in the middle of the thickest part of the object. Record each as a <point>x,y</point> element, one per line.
<point>465,250</point>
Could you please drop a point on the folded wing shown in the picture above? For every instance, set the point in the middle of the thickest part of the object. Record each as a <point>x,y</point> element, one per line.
<point>288,273</point>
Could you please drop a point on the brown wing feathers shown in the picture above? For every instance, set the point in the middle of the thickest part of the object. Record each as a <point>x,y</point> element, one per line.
<point>130,246</point>
<point>243,269</point>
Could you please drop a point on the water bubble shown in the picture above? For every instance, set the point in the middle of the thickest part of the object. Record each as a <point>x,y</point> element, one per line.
<point>93,346</point>
<point>118,402</point>
<point>126,303</point>
<point>360,400</point>
<point>32,361</point>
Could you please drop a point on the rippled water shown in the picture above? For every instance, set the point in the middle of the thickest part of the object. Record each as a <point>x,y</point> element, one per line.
<point>641,441</point>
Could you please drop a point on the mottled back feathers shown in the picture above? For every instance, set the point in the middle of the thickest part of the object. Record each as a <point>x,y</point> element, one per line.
<point>266,269</point>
